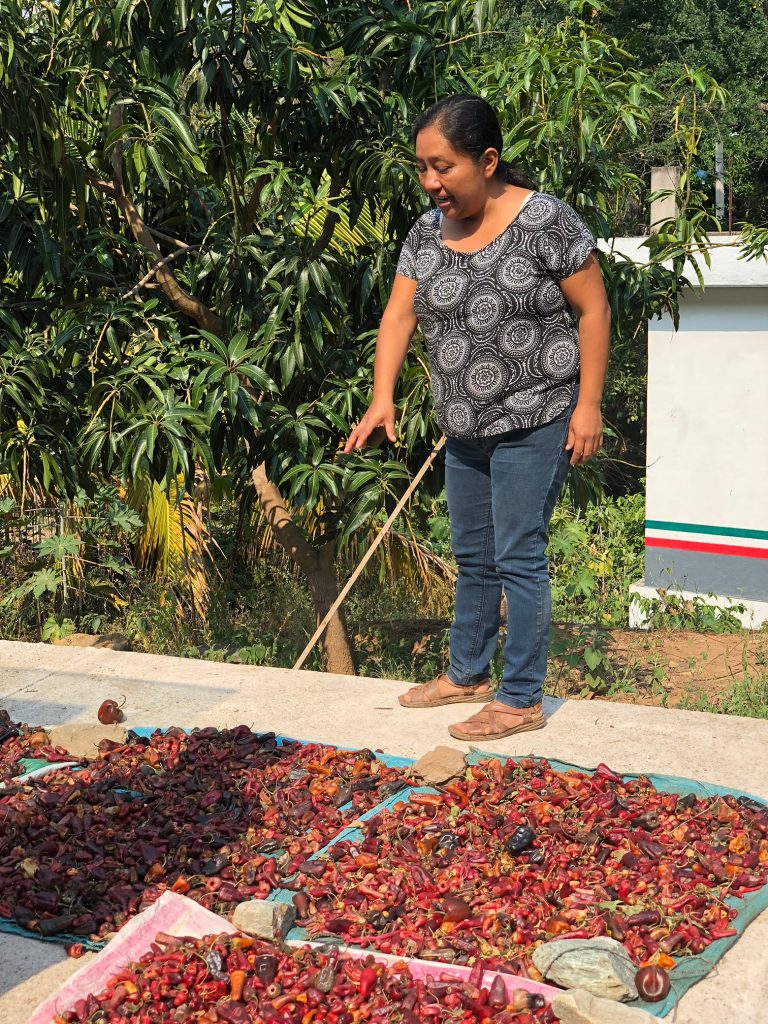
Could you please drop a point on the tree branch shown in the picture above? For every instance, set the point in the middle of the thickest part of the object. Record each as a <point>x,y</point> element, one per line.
<point>178,297</point>
<point>286,532</point>
<point>181,299</point>
<point>158,266</point>
<point>161,236</point>
<point>331,219</point>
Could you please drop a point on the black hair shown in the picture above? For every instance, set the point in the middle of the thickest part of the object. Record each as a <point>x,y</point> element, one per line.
<point>470,125</point>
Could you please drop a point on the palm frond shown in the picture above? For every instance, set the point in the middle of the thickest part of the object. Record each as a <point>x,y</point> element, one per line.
<point>175,542</point>
<point>346,239</point>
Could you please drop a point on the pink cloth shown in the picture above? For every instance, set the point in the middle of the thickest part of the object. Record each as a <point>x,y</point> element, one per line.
<point>178,915</point>
<point>172,913</point>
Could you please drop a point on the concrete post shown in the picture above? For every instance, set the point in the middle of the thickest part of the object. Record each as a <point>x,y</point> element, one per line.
<point>706,509</point>
<point>664,209</point>
<point>719,184</point>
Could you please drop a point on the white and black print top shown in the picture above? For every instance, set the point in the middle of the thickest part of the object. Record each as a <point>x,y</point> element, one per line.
<point>502,340</point>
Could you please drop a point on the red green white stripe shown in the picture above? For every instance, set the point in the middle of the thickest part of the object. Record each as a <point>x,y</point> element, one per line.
<point>716,540</point>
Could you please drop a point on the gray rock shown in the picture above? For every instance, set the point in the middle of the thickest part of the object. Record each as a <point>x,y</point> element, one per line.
<point>580,1007</point>
<point>263,919</point>
<point>601,966</point>
<point>112,641</point>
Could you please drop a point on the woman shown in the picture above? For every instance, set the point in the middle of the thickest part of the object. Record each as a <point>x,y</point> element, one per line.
<point>505,286</point>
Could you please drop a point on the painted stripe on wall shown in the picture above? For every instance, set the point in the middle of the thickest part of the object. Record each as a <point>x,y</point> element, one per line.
<point>707,573</point>
<point>714,549</point>
<point>721,531</point>
<point>695,538</point>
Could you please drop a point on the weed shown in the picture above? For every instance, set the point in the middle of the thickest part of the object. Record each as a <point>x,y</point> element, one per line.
<point>747,697</point>
<point>595,554</point>
<point>671,611</point>
<point>72,575</point>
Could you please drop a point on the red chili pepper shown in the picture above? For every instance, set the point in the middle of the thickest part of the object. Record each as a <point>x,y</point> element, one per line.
<point>722,933</point>
<point>604,772</point>
<point>458,792</point>
<point>426,799</point>
<point>497,998</point>
<point>368,978</point>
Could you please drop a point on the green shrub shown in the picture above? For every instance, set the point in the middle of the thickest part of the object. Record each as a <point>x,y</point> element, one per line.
<point>595,554</point>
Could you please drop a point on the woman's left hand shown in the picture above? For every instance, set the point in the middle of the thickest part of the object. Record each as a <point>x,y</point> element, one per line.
<point>585,433</point>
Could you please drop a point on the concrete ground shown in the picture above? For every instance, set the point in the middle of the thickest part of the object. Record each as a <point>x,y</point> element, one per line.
<point>48,685</point>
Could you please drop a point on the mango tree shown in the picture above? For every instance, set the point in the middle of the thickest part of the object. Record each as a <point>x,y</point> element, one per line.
<point>173,177</point>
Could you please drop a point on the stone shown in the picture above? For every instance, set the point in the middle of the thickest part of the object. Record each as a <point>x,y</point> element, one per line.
<point>601,966</point>
<point>83,740</point>
<point>229,652</point>
<point>581,1007</point>
<point>263,919</point>
<point>439,765</point>
<point>112,641</point>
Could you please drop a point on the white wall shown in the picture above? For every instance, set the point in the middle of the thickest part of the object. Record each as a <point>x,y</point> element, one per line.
<point>707,456</point>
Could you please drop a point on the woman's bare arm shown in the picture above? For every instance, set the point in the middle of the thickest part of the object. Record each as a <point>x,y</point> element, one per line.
<point>398,324</point>
<point>585,294</point>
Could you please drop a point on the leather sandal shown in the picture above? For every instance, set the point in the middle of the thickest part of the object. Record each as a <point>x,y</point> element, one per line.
<point>498,720</point>
<point>441,690</point>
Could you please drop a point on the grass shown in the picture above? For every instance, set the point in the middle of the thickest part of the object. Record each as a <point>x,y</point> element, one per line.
<point>747,697</point>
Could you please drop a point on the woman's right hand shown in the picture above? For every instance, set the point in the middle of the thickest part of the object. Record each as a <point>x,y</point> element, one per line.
<point>380,414</point>
<point>398,323</point>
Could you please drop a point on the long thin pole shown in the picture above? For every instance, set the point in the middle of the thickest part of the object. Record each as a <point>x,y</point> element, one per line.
<point>369,553</point>
<point>730,192</point>
<point>719,184</point>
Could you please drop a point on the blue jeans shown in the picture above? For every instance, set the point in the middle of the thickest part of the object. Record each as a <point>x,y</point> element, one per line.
<point>501,493</point>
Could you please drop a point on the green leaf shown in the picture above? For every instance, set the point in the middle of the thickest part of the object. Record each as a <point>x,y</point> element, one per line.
<point>157,163</point>
<point>45,581</point>
<point>592,657</point>
<point>179,127</point>
<point>59,546</point>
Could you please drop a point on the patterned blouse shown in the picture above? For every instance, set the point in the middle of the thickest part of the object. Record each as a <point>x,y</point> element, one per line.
<point>502,340</point>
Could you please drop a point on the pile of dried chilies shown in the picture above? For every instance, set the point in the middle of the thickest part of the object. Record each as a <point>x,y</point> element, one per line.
<point>235,979</point>
<point>19,741</point>
<point>517,853</point>
<point>221,816</point>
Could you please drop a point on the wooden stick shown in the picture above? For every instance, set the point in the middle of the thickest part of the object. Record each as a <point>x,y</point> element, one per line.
<point>369,553</point>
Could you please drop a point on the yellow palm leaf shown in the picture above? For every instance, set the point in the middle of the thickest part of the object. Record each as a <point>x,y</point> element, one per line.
<point>175,541</point>
<point>345,238</point>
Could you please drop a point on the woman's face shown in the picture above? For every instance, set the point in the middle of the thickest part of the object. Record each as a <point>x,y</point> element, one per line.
<point>458,184</point>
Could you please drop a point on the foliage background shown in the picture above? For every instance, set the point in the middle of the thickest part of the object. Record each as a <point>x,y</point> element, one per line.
<point>728,39</point>
<point>201,206</point>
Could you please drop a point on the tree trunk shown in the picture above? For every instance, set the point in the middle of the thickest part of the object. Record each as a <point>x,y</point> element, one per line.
<point>325,590</point>
<point>318,567</point>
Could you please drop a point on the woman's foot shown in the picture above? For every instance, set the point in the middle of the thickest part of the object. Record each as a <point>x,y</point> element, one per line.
<point>497,720</point>
<point>441,690</point>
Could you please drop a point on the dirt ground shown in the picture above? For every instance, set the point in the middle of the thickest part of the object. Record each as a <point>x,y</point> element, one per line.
<point>669,666</point>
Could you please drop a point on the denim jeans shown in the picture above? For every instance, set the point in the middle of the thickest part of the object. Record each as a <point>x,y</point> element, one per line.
<point>501,493</point>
